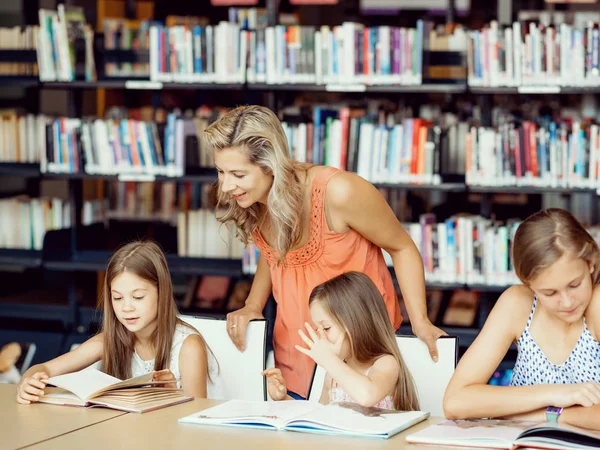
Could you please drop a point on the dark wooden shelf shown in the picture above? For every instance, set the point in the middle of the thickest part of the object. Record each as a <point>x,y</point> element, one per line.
<point>446,187</point>
<point>34,311</point>
<point>94,261</point>
<point>27,259</point>
<point>24,170</point>
<point>528,189</point>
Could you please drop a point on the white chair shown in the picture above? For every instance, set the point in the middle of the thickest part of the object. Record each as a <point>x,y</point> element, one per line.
<point>431,379</point>
<point>239,371</point>
<point>27,352</point>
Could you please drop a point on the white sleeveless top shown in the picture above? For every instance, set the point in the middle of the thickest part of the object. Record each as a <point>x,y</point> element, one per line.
<point>214,386</point>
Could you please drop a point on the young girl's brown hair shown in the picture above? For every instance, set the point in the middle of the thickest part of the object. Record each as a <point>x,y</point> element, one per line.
<point>542,238</point>
<point>146,260</point>
<point>356,304</point>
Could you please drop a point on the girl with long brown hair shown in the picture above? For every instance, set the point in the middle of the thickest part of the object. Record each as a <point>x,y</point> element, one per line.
<point>141,332</point>
<point>554,320</point>
<point>356,345</point>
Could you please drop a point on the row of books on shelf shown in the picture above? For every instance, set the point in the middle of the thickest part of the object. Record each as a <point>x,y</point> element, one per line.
<point>534,54</point>
<point>241,49</point>
<point>22,137</point>
<point>348,54</point>
<point>16,39</point>
<point>464,249</point>
<point>60,34</point>
<point>245,49</point>
<point>123,147</point>
<point>25,221</point>
<point>547,155</point>
<point>380,147</point>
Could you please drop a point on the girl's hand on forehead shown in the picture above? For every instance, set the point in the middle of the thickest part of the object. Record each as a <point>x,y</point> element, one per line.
<point>320,349</point>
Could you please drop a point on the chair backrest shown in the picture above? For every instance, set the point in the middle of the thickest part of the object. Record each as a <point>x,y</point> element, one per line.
<point>240,372</point>
<point>27,352</point>
<point>431,379</point>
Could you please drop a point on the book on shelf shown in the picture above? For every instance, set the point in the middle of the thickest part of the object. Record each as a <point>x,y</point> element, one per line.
<point>24,221</point>
<point>557,154</point>
<point>125,34</point>
<point>132,149</point>
<point>379,146</point>
<point>465,249</point>
<point>506,434</point>
<point>22,137</point>
<point>18,39</point>
<point>91,387</point>
<point>216,240</point>
<point>342,419</point>
<point>58,37</point>
<point>533,53</point>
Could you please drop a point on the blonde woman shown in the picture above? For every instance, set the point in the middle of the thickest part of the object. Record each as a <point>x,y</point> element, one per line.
<point>311,223</point>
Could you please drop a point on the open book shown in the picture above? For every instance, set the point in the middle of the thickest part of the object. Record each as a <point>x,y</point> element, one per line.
<point>90,387</point>
<point>506,434</point>
<point>337,418</point>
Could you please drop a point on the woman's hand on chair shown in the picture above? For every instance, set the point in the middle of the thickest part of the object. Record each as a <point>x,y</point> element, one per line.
<point>237,322</point>
<point>276,385</point>
<point>429,333</point>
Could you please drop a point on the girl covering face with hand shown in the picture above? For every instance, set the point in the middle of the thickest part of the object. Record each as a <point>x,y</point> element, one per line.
<point>356,345</point>
<point>141,332</point>
<point>553,318</point>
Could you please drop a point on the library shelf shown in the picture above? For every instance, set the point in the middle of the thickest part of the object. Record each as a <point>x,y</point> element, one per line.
<point>23,170</point>
<point>93,261</point>
<point>19,81</point>
<point>528,189</point>
<point>359,87</point>
<point>17,258</point>
<point>533,90</point>
<point>50,312</point>
<point>138,84</point>
<point>446,187</point>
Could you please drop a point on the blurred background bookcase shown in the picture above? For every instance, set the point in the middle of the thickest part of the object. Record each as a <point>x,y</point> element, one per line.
<point>52,282</point>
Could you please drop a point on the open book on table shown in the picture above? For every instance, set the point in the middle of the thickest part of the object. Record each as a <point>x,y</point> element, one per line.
<point>506,434</point>
<point>338,418</point>
<point>90,387</point>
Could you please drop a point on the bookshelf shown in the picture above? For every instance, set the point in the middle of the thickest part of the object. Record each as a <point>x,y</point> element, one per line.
<point>65,256</point>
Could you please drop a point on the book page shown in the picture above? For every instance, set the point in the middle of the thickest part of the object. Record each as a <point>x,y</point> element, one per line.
<point>83,383</point>
<point>135,382</point>
<point>59,396</point>
<point>560,435</point>
<point>352,418</point>
<point>239,412</point>
<point>475,432</point>
<point>143,406</point>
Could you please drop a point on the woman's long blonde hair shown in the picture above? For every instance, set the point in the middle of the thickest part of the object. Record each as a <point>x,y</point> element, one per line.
<point>257,130</point>
<point>353,301</point>
<point>146,260</point>
<point>542,238</point>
